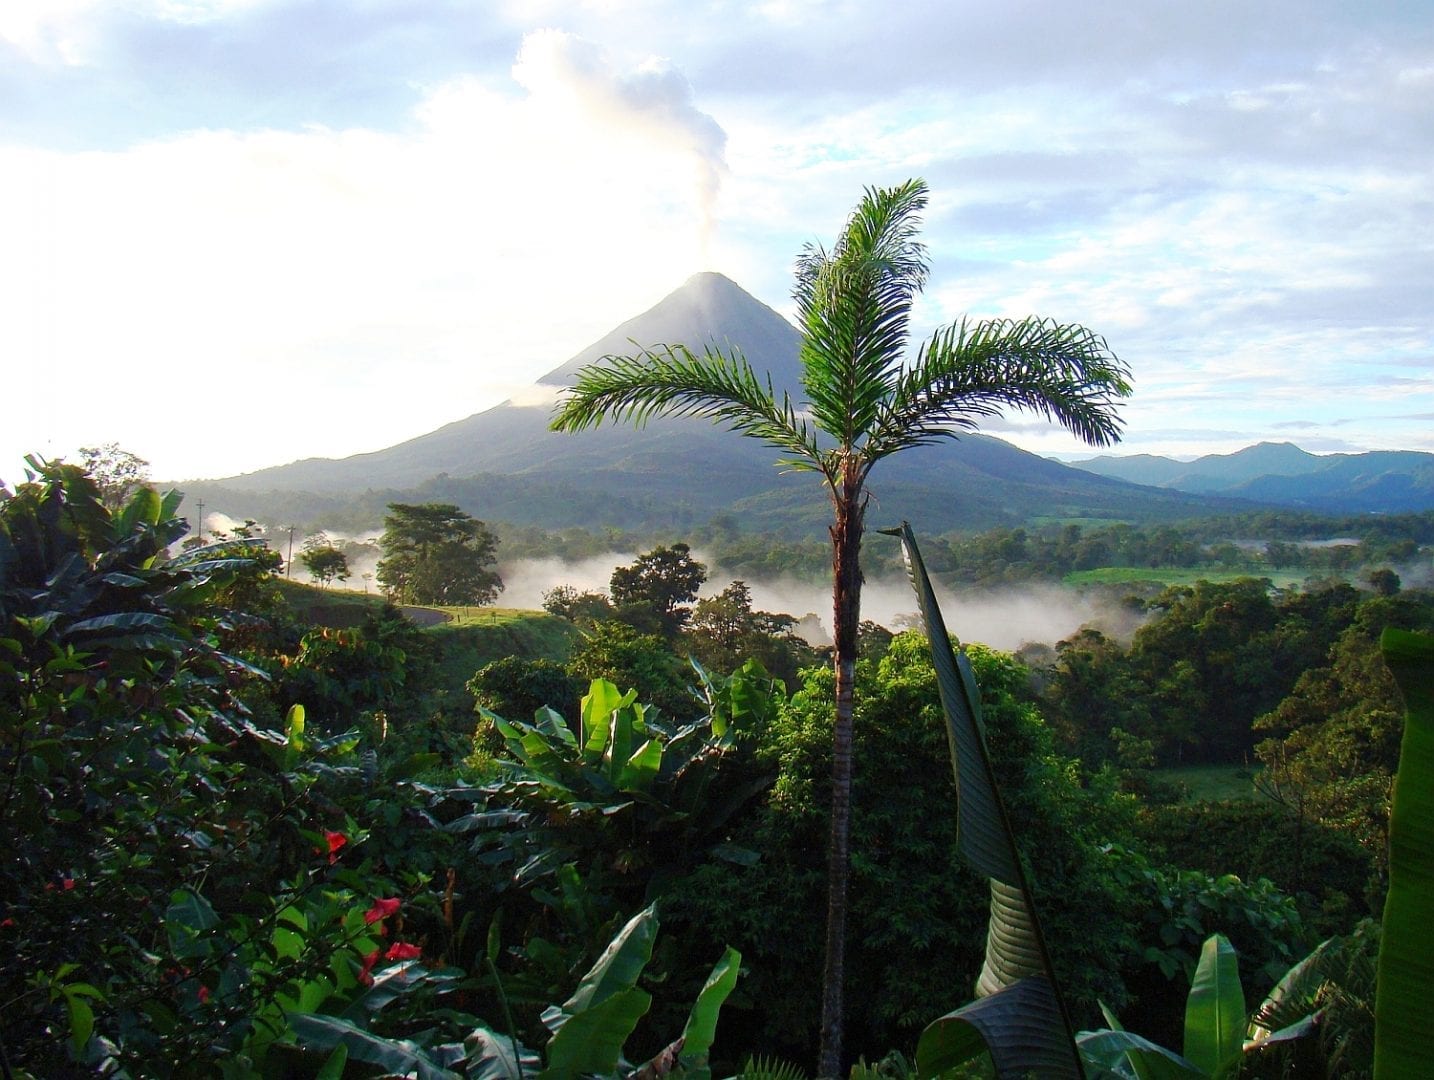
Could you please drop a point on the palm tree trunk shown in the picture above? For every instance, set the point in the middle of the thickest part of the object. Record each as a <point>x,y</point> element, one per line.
<point>846,617</point>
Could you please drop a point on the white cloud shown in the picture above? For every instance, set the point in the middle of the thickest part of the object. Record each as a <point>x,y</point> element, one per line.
<point>249,277</point>
<point>438,203</point>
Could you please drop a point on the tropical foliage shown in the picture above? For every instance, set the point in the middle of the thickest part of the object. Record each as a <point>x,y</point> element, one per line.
<point>244,845</point>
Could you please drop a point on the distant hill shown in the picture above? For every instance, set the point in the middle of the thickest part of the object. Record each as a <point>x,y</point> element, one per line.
<point>1380,481</point>
<point>504,464</point>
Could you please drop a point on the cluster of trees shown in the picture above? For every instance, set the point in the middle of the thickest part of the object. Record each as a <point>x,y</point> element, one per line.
<point>1288,683</point>
<point>1219,665</point>
<point>644,630</point>
<point>321,813</point>
<point>1257,544</point>
<point>1005,556</point>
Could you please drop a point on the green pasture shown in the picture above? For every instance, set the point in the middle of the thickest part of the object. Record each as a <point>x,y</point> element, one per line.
<point>1212,783</point>
<point>1125,575</point>
<point>477,636</point>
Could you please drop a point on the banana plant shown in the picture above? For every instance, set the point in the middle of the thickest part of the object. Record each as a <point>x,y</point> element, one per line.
<point>559,792</point>
<point>587,1031</point>
<point>1219,1038</point>
<point>1406,967</point>
<point>1019,1017</point>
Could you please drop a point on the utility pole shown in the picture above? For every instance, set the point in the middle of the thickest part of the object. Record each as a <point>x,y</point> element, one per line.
<point>289,562</point>
<point>201,521</point>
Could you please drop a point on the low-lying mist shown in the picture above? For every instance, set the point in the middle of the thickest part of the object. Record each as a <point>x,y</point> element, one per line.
<point>1004,618</point>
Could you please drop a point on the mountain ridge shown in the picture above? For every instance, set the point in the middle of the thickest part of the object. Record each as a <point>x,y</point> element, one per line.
<point>503,463</point>
<point>1375,481</point>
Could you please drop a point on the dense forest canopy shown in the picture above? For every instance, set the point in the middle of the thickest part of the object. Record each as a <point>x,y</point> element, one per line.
<point>221,786</point>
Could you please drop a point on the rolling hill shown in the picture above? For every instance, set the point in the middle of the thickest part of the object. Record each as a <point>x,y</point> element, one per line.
<point>1380,481</point>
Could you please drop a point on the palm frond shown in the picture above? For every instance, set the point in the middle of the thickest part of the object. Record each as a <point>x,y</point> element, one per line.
<point>670,380</point>
<point>975,370</point>
<point>854,304</point>
<point>770,1068</point>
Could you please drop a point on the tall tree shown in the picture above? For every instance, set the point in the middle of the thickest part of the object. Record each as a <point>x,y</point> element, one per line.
<point>434,553</point>
<point>324,562</point>
<point>118,472</point>
<point>653,593</point>
<point>863,404</point>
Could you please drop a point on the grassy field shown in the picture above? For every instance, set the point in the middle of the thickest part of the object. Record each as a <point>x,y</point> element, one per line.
<point>328,607</point>
<point>1212,783</point>
<point>478,636</point>
<point>467,637</point>
<point>1121,575</point>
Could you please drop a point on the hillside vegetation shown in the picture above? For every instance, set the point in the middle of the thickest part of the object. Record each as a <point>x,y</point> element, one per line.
<point>253,822</point>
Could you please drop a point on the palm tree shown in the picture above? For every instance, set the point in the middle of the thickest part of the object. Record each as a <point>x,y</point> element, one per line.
<point>863,404</point>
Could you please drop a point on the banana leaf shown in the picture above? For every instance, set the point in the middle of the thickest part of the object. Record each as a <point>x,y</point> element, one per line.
<point>701,1027</point>
<point>1405,987</point>
<point>1020,1017</point>
<point>1118,1053</point>
<point>1293,1009</point>
<point>590,1028</point>
<point>1019,1026</point>
<point>497,1057</point>
<point>1215,1011</point>
<point>395,1057</point>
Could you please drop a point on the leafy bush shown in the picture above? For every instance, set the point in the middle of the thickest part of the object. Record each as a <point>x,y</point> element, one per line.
<point>177,870</point>
<point>918,916</point>
<point>1325,871</point>
<point>1178,910</point>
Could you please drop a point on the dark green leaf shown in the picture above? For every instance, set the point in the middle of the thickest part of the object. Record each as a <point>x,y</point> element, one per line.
<point>701,1026</point>
<point>1123,1053</point>
<point>1021,1027</point>
<point>399,1057</point>
<point>1402,1047</point>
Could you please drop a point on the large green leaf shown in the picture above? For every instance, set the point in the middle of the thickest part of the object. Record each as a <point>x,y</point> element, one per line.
<point>642,767</point>
<point>615,972</point>
<point>1405,988</point>
<point>589,1029</point>
<point>124,622</point>
<point>598,705</point>
<point>1016,953</point>
<point>144,508</point>
<point>701,1026</point>
<point>1021,1027</point>
<point>621,739</point>
<point>591,1041</point>
<point>983,834</point>
<point>1215,1011</point>
<point>398,1057</point>
<point>1118,1053</point>
<point>187,921</point>
<point>1292,1008</point>
<point>495,1057</point>
<point>1013,946</point>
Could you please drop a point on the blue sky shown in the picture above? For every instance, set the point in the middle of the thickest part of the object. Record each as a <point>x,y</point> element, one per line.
<point>240,232</point>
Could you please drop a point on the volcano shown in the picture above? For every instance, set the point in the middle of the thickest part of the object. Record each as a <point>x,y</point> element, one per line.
<point>503,464</point>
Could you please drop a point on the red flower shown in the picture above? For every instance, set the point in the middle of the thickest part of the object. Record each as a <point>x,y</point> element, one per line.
<point>335,840</point>
<point>67,883</point>
<point>381,909</point>
<point>401,951</point>
<point>203,994</point>
<point>368,962</point>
